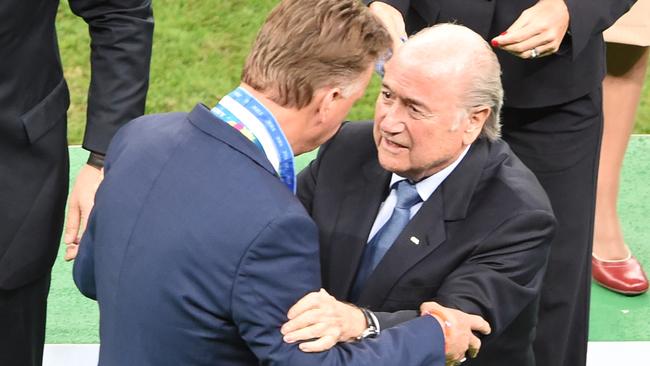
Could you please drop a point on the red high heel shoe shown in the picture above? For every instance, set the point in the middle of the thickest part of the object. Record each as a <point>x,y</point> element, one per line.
<point>624,276</point>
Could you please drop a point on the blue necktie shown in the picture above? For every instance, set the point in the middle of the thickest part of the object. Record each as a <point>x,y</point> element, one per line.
<point>407,197</point>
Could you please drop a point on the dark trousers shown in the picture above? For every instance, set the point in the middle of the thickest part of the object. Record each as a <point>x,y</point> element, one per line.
<point>561,144</point>
<point>22,323</point>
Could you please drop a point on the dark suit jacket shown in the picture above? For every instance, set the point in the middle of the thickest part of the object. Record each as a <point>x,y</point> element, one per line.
<point>574,71</point>
<point>484,237</point>
<point>195,251</point>
<point>33,103</point>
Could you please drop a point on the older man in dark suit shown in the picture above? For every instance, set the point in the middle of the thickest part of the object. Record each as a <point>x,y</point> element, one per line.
<point>476,233</point>
<point>33,147</point>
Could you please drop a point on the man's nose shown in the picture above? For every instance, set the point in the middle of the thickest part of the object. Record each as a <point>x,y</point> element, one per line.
<point>393,121</point>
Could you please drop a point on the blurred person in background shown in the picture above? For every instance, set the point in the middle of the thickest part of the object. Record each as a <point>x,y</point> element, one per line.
<point>34,171</point>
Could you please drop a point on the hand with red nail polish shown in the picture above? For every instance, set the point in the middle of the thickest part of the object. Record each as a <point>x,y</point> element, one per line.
<point>540,28</point>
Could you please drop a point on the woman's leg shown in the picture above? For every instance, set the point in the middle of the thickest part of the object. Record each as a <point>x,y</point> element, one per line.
<point>626,66</point>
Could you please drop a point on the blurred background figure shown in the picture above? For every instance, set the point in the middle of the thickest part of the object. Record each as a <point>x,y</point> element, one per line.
<point>34,169</point>
<point>628,39</point>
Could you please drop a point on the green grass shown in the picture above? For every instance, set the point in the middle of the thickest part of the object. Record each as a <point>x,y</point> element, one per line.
<point>74,319</point>
<point>643,114</point>
<point>198,52</point>
<point>199,49</point>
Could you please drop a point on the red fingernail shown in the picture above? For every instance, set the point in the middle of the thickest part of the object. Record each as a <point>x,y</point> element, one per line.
<point>495,43</point>
<point>503,33</point>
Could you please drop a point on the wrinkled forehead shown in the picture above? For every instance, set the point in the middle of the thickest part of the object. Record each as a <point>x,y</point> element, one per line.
<point>412,66</point>
<point>431,59</point>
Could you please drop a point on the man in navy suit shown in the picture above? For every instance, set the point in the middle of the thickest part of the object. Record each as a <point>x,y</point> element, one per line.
<point>197,246</point>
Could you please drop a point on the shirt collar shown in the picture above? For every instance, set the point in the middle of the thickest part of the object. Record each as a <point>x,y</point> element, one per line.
<point>427,186</point>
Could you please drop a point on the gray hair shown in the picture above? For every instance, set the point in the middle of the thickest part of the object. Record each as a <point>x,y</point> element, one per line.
<point>485,89</point>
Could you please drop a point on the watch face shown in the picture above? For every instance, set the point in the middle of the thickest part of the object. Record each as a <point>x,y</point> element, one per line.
<point>372,329</point>
<point>370,332</point>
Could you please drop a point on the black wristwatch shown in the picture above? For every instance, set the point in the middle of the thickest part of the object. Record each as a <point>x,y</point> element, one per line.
<point>373,325</point>
<point>95,160</point>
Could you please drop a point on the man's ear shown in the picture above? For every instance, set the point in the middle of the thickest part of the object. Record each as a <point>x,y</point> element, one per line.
<point>477,117</point>
<point>326,100</point>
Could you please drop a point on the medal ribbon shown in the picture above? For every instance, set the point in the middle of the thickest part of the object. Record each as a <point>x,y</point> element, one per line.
<point>246,114</point>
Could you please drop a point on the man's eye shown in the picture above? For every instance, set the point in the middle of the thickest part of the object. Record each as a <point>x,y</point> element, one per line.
<point>386,94</point>
<point>415,112</point>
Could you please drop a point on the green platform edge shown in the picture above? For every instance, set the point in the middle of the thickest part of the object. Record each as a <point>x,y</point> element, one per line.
<point>74,319</point>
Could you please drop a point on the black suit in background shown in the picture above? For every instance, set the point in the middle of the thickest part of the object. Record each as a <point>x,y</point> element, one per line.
<point>552,120</point>
<point>482,239</point>
<point>33,147</point>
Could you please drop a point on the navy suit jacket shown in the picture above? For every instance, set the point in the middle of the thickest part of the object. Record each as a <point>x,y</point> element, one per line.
<point>195,251</point>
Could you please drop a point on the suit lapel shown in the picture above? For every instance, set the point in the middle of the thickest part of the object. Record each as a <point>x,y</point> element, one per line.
<point>458,189</point>
<point>357,213</point>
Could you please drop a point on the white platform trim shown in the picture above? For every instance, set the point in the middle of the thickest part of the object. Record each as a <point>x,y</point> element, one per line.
<point>599,354</point>
<point>70,354</point>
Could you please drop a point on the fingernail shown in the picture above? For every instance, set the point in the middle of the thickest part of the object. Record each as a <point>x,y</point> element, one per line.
<point>495,43</point>
<point>288,339</point>
<point>503,33</point>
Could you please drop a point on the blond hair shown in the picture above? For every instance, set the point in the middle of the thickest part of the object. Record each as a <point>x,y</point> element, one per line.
<point>305,45</point>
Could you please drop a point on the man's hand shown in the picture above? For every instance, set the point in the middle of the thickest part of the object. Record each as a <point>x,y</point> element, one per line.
<point>538,31</point>
<point>392,20</point>
<point>80,203</point>
<point>323,320</point>
<point>458,327</point>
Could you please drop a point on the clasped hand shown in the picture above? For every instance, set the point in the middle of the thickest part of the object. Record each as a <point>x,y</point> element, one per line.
<point>320,321</point>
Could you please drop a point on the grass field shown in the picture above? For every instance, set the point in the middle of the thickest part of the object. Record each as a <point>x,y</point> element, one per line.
<point>199,48</point>
<point>74,319</point>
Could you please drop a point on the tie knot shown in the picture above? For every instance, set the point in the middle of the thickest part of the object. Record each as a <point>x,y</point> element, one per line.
<point>407,195</point>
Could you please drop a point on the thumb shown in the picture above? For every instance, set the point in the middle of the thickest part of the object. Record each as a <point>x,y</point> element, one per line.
<point>479,324</point>
<point>72,221</point>
<point>71,252</point>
